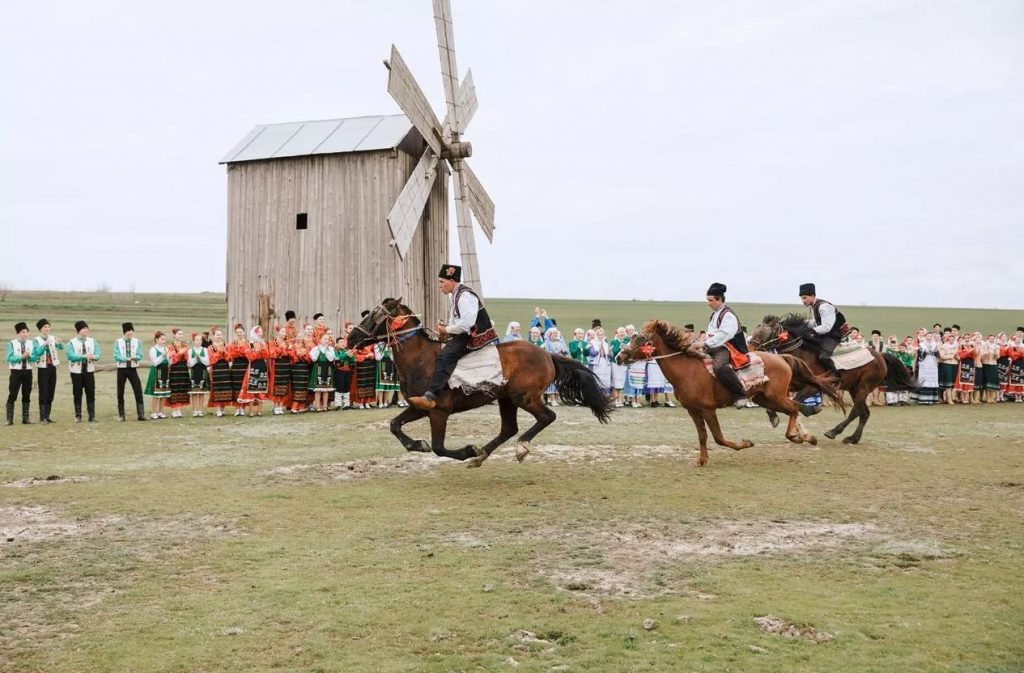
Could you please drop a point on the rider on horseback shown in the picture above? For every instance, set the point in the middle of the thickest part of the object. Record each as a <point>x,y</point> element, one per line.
<point>724,328</point>
<point>469,328</point>
<point>826,324</point>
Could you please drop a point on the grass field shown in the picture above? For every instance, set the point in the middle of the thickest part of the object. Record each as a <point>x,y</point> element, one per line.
<point>316,543</point>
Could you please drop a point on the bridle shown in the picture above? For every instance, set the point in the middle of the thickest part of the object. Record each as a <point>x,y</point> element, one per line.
<point>647,349</point>
<point>394,333</point>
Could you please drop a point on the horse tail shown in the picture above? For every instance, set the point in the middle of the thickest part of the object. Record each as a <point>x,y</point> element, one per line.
<point>578,385</point>
<point>897,376</point>
<point>803,377</point>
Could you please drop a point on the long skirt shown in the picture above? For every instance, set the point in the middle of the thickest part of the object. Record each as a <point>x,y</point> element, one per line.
<point>618,376</point>
<point>198,378</point>
<point>366,380</point>
<point>636,379</point>
<point>239,369</point>
<point>656,382</point>
<point>387,376</point>
<point>281,381</point>
<point>300,382</point>
<point>321,377</point>
<point>221,392</point>
<point>991,377</point>
<point>1003,373</point>
<point>256,385</point>
<point>1016,385</point>
<point>947,375</point>
<point>603,371</point>
<point>927,381</point>
<point>181,383</point>
<point>158,384</point>
<point>965,376</point>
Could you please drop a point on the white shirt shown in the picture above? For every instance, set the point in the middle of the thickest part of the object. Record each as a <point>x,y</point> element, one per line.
<point>717,336</point>
<point>469,306</point>
<point>828,318</point>
<point>50,343</point>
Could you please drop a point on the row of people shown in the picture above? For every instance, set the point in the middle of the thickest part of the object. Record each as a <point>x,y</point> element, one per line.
<point>297,371</point>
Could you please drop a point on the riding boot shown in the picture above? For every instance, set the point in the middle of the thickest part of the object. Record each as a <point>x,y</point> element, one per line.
<point>809,409</point>
<point>10,413</point>
<point>78,411</point>
<point>140,409</point>
<point>49,409</point>
<point>44,414</point>
<point>25,406</point>
<point>120,411</point>
<point>91,404</point>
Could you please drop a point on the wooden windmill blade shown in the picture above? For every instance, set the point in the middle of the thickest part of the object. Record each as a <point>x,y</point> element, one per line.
<point>467,105</point>
<point>464,221</point>
<point>480,202</point>
<point>449,69</point>
<point>407,93</point>
<point>408,209</point>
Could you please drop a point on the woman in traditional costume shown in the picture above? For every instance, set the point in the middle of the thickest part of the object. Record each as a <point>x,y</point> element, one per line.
<point>927,370</point>
<point>158,385</point>
<point>554,344</point>
<point>618,342</point>
<point>300,370</point>
<point>199,376</point>
<point>177,352</point>
<point>321,376</point>
<point>966,356</point>
<point>947,367</point>
<point>366,378</point>
<point>877,396</point>
<point>536,338</point>
<point>1015,386</point>
<point>1003,362</point>
<point>512,332</point>
<point>238,353</point>
<point>344,362</point>
<point>387,375</point>
<point>600,353</point>
<point>256,384</point>
<point>636,377</point>
<point>281,355</point>
<point>990,369</point>
<point>221,391</point>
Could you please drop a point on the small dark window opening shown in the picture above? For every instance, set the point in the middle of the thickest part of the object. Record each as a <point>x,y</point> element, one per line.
<point>300,222</point>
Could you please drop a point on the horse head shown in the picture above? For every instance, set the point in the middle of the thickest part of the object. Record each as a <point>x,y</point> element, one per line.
<point>765,333</point>
<point>376,323</point>
<point>639,348</point>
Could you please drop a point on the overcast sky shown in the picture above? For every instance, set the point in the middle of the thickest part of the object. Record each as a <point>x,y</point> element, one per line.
<point>634,150</point>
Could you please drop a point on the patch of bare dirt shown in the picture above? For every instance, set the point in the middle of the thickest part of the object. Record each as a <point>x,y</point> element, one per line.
<point>629,560</point>
<point>52,479</point>
<point>419,463</point>
<point>781,627</point>
<point>593,453</point>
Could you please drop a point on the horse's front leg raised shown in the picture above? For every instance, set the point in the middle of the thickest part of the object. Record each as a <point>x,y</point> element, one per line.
<point>409,415</point>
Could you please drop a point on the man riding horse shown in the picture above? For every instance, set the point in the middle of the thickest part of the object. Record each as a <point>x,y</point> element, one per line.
<point>826,323</point>
<point>469,328</point>
<point>724,334</point>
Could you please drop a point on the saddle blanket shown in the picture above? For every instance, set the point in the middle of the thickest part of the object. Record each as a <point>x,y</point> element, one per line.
<point>851,355</point>
<point>478,371</point>
<point>751,375</point>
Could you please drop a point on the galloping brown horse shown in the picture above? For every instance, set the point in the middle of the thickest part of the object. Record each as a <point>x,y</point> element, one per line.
<point>528,371</point>
<point>701,393</point>
<point>785,335</point>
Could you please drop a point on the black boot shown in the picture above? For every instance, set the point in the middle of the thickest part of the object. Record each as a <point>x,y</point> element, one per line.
<point>78,411</point>
<point>10,413</point>
<point>25,406</point>
<point>49,409</point>
<point>140,409</point>
<point>120,411</point>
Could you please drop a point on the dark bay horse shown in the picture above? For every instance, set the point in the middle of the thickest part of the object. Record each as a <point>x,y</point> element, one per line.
<point>528,372</point>
<point>786,335</point>
<point>701,394</point>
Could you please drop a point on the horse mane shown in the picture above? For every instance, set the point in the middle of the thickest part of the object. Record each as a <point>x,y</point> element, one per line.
<point>403,309</point>
<point>674,337</point>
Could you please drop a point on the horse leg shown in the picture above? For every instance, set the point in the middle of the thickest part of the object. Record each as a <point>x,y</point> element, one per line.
<point>702,437</point>
<point>855,412</point>
<point>544,416</point>
<point>865,413</point>
<point>773,417</point>
<point>438,428</point>
<point>711,418</point>
<point>409,415</point>
<point>509,427</point>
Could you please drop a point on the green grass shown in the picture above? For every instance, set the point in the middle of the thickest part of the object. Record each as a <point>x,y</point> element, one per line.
<point>317,544</point>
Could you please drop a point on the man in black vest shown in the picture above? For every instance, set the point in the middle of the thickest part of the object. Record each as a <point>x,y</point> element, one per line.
<point>469,328</point>
<point>724,328</point>
<point>827,325</point>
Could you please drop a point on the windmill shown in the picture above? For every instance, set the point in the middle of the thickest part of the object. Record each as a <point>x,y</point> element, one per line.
<point>444,141</point>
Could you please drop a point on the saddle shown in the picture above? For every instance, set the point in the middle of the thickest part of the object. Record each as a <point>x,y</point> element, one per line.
<point>479,371</point>
<point>750,375</point>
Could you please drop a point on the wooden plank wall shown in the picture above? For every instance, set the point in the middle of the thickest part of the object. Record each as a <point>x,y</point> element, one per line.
<point>343,262</point>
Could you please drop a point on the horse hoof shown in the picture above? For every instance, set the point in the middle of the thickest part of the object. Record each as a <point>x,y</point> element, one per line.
<point>475,462</point>
<point>831,434</point>
<point>746,444</point>
<point>522,451</point>
<point>774,420</point>
<point>850,440</point>
<point>421,446</point>
<point>812,440</point>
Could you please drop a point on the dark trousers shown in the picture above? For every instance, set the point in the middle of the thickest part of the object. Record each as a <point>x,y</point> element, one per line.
<point>21,381</point>
<point>721,363</point>
<point>828,346</point>
<point>454,348</point>
<point>131,375</point>
<point>46,384</point>
<point>84,383</point>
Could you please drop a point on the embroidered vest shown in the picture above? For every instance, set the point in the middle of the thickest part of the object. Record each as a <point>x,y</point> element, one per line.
<point>482,332</point>
<point>738,341</point>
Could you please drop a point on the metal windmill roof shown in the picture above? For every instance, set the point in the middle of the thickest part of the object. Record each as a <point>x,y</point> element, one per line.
<point>329,136</point>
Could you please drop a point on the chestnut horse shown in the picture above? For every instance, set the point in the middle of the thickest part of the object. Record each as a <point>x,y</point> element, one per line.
<point>528,371</point>
<point>786,335</point>
<point>701,394</point>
